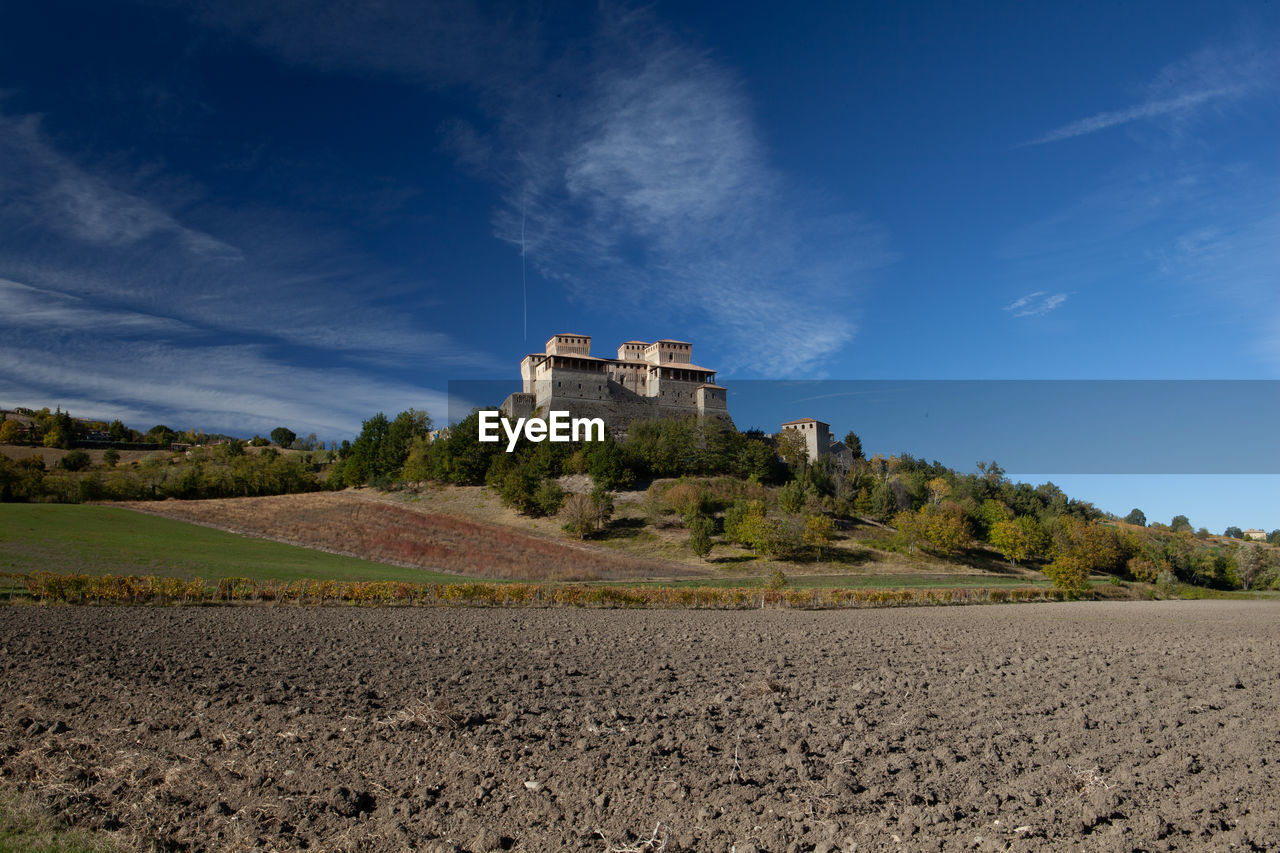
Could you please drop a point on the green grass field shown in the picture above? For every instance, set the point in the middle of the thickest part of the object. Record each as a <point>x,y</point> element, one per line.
<point>98,540</point>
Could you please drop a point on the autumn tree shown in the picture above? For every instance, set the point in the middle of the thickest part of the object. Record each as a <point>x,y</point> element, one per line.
<point>750,526</point>
<point>792,446</point>
<point>819,530</point>
<point>1180,523</point>
<point>1249,565</point>
<point>1086,544</point>
<point>687,500</point>
<point>11,432</point>
<point>1020,539</point>
<point>1069,573</point>
<point>911,529</point>
<point>578,514</point>
<point>947,528</point>
<point>938,489</point>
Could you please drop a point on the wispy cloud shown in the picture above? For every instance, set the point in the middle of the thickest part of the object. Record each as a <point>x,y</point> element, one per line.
<point>1213,76</point>
<point>229,388</point>
<point>632,169</point>
<point>50,189</point>
<point>657,190</point>
<point>1150,109</point>
<point>1036,304</point>
<point>33,307</point>
<point>100,271</point>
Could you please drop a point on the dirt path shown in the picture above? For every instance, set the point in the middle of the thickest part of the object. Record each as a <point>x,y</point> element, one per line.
<point>1095,726</point>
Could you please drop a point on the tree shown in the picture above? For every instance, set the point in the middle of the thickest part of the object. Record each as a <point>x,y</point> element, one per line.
<point>792,447</point>
<point>749,527</point>
<point>548,497</point>
<point>417,464</point>
<point>1180,523</point>
<point>1019,539</point>
<point>947,528</point>
<point>791,497</point>
<point>578,512</point>
<point>1249,565</point>
<point>700,536</point>
<point>161,434</point>
<point>11,432</point>
<point>1136,516</point>
<point>516,488</point>
<point>76,460</point>
<point>854,444</point>
<point>111,456</point>
<point>117,431</point>
<point>602,500</point>
<point>1233,533</point>
<point>819,530</point>
<point>1095,548</point>
<point>989,514</point>
<point>883,501</point>
<point>283,436</point>
<point>1068,573</point>
<point>687,500</point>
<point>938,489</point>
<point>911,529</point>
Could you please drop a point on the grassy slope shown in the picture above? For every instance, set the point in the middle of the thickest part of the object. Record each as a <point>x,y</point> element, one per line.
<point>106,540</point>
<point>854,561</point>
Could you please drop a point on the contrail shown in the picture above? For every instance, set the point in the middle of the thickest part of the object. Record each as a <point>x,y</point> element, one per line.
<point>524,284</point>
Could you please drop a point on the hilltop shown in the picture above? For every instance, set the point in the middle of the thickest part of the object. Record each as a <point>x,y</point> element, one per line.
<point>694,494</point>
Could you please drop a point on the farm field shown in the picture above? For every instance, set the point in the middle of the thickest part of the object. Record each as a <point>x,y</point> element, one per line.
<point>106,540</point>
<point>361,523</point>
<point>1094,726</point>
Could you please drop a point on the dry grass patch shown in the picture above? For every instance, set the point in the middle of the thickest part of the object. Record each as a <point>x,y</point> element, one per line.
<point>367,525</point>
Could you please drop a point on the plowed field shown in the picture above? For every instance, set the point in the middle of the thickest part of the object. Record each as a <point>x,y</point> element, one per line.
<point>1095,726</point>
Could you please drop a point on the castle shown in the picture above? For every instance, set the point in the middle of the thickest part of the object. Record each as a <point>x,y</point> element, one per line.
<point>645,381</point>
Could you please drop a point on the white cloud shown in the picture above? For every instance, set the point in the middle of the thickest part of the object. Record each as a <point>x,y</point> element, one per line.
<point>1036,304</point>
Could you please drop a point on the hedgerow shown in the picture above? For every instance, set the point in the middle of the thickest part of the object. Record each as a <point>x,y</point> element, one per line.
<point>51,588</point>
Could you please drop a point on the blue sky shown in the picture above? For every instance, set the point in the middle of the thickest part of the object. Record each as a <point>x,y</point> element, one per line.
<point>236,216</point>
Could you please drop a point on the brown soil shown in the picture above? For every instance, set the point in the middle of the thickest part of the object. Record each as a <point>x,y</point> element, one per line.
<point>1114,726</point>
<point>372,526</point>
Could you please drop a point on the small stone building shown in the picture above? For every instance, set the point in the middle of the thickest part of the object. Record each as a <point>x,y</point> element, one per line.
<point>818,443</point>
